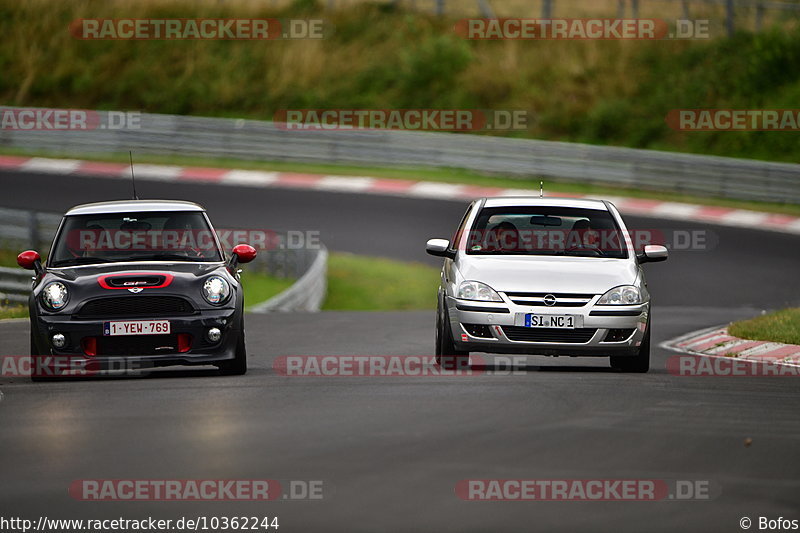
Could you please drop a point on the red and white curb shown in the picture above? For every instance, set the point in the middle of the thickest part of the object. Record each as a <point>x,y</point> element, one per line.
<point>717,342</point>
<point>395,187</point>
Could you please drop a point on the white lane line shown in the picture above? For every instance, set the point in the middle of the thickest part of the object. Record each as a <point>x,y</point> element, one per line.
<point>519,192</point>
<point>158,172</point>
<point>430,189</point>
<point>51,166</point>
<point>250,178</point>
<point>745,218</point>
<point>676,210</point>
<point>345,183</point>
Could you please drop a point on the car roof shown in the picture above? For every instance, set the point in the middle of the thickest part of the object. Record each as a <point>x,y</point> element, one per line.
<point>133,206</point>
<point>547,201</point>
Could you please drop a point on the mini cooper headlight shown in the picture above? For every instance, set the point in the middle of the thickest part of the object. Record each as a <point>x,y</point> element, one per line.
<point>622,295</point>
<point>55,295</point>
<point>475,290</point>
<point>216,290</point>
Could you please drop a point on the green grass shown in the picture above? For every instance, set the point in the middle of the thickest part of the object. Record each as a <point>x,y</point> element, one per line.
<point>8,258</point>
<point>359,283</point>
<point>385,57</point>
<point>13,311</point>
<point>260,287</point>
<point>780,326</point>
<point>444,175</point>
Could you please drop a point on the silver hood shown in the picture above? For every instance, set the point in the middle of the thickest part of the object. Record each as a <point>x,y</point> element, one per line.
<point>548,273</point>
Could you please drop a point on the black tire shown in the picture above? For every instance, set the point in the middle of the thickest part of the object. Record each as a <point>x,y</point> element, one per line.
<point>34,365</point>
<point>447,356</point>
<point>238,365</point>
<point>639,363</point>
<point>34,348</point>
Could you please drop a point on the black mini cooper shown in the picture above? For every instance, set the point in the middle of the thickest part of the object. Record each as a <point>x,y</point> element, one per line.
<point>144,282</point>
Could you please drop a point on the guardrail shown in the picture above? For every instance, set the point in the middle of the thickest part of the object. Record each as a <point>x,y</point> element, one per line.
<point>306,294</point>
<point>256,140</point>
<point>15,285</point>
<point>23,229</point>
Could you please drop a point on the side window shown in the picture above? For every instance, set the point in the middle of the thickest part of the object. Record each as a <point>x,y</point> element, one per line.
<point>460,230</point>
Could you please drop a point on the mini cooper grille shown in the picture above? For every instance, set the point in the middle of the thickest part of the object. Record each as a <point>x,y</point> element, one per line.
<point>137,345</point>
<point>563,299</point>
<point>129,306</point>
<point>575,336</point>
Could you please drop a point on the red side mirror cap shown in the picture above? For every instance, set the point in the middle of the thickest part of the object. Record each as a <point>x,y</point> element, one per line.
<point>28,259</point>
<point>244,252</point>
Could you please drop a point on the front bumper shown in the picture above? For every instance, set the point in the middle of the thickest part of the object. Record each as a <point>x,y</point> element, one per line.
<point>201,351</point>
<point>498,327</point>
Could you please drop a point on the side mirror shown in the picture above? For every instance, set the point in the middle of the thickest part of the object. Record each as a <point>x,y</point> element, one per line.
<point>440,248</point>
<point>30,260</point>
<point>653,253</point>
<point>244,253</point>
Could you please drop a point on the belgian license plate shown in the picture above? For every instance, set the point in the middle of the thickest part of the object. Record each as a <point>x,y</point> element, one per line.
<point>136,327</point>
<point>551,321</point>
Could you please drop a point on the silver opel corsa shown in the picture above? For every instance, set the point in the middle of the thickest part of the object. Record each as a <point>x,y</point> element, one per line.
<point>544,276</point>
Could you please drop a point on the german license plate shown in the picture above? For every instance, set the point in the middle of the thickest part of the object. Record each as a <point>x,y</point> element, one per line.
<point>551,321</point>
<point>136,327</point>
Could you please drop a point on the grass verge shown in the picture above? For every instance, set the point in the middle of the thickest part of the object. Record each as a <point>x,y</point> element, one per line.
<point>381,55</point>
<point>443,175</point>
<point>260,287</point>
<point>359,283</point>
<point>13,311</point>
<point>780,326</point>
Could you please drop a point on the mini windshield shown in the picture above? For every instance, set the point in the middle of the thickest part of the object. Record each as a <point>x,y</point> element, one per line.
<point>546,231</point>
<point>143,236</point>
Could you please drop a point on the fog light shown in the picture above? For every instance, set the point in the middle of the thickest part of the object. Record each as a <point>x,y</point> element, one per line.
<point>58,340</point>
<point>214,335</point>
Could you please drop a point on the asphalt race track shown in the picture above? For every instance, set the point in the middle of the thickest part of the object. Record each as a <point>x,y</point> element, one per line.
<point>390,451</point>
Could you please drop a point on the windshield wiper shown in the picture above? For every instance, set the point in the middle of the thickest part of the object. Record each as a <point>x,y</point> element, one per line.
<point>81,261</point>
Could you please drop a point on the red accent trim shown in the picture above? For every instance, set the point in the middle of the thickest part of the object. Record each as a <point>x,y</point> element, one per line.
<point>184,342</point>
<point>245,252</point>
<point>89,345</point>
<point>28,258</point>
<point>167,280</point>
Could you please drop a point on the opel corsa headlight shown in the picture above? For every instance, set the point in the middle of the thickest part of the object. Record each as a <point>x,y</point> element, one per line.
<point>216,290</point>
<point>622,295</point>
<point>475,290</point>
<point>55,295</point>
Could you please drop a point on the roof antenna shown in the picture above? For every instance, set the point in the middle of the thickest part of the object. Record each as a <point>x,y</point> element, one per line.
<point>133,178</point>
<point>541,188</point>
